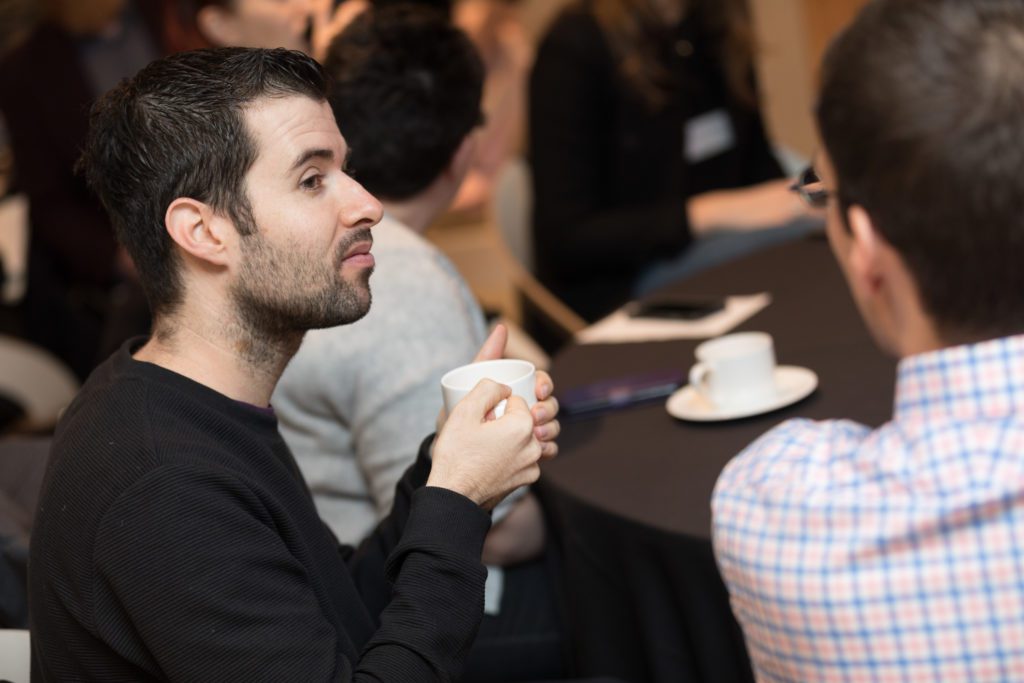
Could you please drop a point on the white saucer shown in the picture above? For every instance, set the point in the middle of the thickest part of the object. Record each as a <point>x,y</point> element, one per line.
<point>792,384</point>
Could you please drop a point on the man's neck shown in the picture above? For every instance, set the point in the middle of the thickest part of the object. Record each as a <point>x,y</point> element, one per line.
<point>419,211</point>
<point>221,355</point>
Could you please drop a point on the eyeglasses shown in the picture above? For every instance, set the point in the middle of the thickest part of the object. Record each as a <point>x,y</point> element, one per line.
<point>810,188</point>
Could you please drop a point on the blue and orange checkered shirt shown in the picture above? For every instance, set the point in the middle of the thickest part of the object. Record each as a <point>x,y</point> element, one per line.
<point>888,555</point>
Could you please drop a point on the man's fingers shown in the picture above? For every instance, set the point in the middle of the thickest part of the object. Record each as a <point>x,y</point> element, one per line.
<point>516,404</point>
<point>545,411</point>
<point>547,432</point>
<point>544,385</point>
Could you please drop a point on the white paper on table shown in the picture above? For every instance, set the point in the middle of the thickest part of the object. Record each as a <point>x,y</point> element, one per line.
<point>620,328</point>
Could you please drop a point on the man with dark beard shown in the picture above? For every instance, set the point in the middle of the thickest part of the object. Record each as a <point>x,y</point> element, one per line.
<point>175,538</point>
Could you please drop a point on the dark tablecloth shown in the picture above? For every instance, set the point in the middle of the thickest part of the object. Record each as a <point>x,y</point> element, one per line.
<point>628,499</point>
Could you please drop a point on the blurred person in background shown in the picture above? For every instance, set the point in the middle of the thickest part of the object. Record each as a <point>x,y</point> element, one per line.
<point>650,158</point>
<point>306,25</point>
<point>48,79</point>
<point>496,28</point>
<point>17,19</point>
<point>309,25</point>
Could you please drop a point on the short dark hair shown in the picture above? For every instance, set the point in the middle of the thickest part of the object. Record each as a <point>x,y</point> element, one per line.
<point>920,113</point>
<point>406,92</point>
<point>177,129</point>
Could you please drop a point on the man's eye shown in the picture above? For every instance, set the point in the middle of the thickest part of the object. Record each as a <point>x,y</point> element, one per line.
<point>313,182</point>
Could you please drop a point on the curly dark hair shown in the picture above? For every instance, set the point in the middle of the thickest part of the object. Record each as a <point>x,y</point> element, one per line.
<point>406,91</point>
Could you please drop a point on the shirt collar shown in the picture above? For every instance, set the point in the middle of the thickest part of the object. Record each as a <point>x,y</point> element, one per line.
<point>982,380</point>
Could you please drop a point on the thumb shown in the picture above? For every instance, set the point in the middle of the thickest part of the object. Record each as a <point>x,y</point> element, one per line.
<point>494,347</point>
<point>484,397</point>
<point>516,404</point>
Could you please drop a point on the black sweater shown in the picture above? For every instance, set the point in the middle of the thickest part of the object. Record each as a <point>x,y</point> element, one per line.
<point>610,178</point>
<point>176,540</point>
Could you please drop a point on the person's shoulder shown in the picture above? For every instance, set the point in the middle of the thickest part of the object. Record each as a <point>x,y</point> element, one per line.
<point>131,417</point>
<point>110,406</point>
<point>101,447</point>
<point>574,22</point>
<point>792,455</point>
<point>575,30</point>
<point>392,235</point>
<point>402,255</point>
<point>410,271</point>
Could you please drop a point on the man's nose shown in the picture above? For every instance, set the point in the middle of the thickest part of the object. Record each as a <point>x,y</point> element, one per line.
<point>360,209</point>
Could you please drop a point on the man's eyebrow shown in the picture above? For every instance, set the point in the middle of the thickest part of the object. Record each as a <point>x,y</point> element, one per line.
<point>309,154</point>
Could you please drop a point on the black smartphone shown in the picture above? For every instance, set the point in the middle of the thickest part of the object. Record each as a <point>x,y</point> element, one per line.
<point>675,308</point>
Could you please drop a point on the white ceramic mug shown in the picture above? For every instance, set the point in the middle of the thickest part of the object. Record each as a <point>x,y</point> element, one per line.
<point>735,370</point>
<point>519,375</point>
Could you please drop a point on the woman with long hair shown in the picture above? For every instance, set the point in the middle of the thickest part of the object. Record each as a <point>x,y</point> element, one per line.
<point>649,154</point>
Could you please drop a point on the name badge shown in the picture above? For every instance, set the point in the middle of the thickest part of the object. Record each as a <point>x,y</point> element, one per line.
<point>707,135</point>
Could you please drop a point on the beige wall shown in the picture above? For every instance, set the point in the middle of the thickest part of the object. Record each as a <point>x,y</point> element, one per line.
<point>792,36</point>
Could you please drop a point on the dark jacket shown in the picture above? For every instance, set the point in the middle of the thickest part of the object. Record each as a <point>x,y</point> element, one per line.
<point>610,178</point>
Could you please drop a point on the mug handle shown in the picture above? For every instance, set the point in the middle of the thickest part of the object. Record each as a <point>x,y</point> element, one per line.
<point>699,375</point>
<point>499,409</point>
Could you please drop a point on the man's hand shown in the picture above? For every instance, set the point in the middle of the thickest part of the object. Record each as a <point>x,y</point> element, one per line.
<point>483,458</point>
<point>545,413</point>
<point>471,445</point>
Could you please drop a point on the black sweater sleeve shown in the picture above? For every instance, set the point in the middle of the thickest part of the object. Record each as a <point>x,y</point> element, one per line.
<point>373,564</point>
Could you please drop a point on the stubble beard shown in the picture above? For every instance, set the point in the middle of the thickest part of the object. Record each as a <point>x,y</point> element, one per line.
<point>281,293</point>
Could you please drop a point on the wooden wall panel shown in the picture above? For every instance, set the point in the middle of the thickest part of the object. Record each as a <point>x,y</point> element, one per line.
<point>825,18</point>
<point>792,36</point>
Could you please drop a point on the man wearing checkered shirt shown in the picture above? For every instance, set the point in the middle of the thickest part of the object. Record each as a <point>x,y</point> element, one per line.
<point>898,554</point>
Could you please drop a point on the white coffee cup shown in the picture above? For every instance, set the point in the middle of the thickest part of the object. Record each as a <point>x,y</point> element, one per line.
<point>735,370</point>
<point>519,375</point>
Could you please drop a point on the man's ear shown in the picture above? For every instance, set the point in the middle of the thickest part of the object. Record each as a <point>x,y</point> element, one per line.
<point>217,26</point>
<point>866,250</point>
<point>198,230</point>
